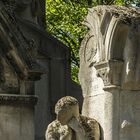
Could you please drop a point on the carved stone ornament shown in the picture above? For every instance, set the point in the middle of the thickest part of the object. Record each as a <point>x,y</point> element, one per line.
<point>113,91</point>
<point>110,72</point>
<point>90,48</point>
<point>113,38</point>
<point>16,48</point>
<point>103,73</point>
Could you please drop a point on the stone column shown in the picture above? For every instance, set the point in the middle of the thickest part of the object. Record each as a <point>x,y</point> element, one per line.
<point>109,71</point>
<point>17,117</point>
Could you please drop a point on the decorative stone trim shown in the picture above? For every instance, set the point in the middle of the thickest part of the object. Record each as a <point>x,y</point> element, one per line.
<point>106,88</point>
<point>18,99</point>
<point>110,72</point>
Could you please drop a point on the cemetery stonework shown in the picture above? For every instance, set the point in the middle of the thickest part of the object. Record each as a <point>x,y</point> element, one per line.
<point>110,71</point>
<point>34,71</point>
<point>18,72</point>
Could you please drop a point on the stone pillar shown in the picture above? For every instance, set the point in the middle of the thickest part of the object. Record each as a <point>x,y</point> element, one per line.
<point>17,117</point>
<point>109,71</point>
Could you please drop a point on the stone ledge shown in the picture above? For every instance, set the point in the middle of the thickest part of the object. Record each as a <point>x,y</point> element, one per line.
<point>117,11</point>
<point>9,99</point>
<point>111,87</point>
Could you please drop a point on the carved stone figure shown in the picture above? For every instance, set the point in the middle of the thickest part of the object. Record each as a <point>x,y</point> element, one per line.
<point>70,125</point>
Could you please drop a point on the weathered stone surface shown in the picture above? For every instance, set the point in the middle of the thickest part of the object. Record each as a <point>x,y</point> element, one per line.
<point>129,115</point>
<point>109,70</point>
<point>32,61</point>
<point>17,53</point>
<point>54,83</point>
<point>19,70</point>
<point>17,117</point>
<point>108,45</point>
<point>69,124</point>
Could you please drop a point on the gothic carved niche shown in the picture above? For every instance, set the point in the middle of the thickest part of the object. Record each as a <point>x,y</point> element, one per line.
<point>113,38</point>
<point>107,24</point>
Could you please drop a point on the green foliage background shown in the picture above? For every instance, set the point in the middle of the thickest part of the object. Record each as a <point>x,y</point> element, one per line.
<point>64,21</point>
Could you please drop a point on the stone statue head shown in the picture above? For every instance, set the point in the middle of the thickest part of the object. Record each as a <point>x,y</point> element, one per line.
<point>66,108</point>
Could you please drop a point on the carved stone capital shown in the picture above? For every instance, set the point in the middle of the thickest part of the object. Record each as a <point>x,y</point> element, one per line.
<point>110,72</point>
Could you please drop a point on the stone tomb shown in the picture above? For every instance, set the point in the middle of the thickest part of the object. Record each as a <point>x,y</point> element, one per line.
<point>32,63</point>
<point>18,72</point>
<point>110,71</point>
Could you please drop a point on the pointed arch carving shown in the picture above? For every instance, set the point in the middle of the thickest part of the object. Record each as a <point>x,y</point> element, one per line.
<point>111,28</point>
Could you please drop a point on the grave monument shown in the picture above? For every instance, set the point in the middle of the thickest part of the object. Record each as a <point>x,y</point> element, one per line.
<point>34,66</point>
<point>110,71</point>
<point>69,124</point>
<point>19,70</point>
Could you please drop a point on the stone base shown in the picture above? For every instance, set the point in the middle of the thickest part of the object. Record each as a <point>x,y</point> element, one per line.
<point>17,117</point>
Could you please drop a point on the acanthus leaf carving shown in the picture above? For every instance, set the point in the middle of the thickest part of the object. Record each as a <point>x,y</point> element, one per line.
<point>110,72</point>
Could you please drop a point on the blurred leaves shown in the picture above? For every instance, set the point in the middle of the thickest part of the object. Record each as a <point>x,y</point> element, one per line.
<point>64,21</point>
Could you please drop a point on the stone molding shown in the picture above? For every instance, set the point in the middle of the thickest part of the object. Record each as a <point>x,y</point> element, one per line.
<point>28,100</point>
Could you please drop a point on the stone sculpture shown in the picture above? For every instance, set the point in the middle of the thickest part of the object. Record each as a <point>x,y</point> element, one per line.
<point>70,125</point>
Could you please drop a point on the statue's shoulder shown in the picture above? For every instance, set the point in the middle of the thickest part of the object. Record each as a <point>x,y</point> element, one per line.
<point>52,130</point>
<point>53,126</point>
<point>91,127</point>
<point>87,120</point>
<point>55,130</point>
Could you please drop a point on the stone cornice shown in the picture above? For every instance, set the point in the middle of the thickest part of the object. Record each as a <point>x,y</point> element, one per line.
<point>8,99</point>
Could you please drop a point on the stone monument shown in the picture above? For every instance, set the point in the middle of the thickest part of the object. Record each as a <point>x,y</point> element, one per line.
<point>70,125</point>
<point>33,63</point>
<point>110,71</point>
<point>18,72</point>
